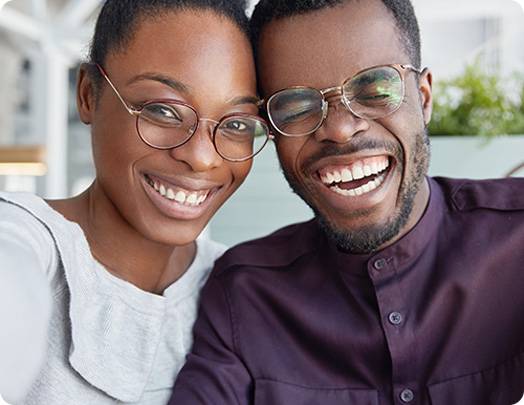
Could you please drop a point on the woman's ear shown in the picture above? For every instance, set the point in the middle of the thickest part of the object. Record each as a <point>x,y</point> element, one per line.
<point>85,94</point>
<point>426,94</point>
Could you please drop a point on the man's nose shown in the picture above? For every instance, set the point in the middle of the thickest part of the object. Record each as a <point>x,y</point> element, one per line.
<point>340,124</point>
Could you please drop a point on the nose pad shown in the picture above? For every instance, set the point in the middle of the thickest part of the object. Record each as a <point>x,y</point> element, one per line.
<point>199,152</point>
<point>340,125</point>
<point>346,104</point>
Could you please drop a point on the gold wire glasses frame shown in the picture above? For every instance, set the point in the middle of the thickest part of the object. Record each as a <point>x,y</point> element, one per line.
<point>300,96</point>
<point>229,133</point>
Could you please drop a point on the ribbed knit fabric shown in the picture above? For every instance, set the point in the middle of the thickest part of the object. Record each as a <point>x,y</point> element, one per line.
<point>109,342</point>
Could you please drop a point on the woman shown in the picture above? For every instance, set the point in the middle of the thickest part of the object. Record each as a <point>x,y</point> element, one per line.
<point>171,99</point>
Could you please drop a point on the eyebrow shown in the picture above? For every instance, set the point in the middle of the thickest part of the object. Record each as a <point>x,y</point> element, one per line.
<point>183,88</point>
<point>245,100</point>
<point>174,84</point>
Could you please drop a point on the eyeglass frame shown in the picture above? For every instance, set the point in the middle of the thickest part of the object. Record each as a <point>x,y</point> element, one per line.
<point>136,112</point>
<point>399,67</point>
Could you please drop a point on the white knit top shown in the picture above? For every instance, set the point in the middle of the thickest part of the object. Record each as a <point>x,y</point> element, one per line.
<point>109,342</point>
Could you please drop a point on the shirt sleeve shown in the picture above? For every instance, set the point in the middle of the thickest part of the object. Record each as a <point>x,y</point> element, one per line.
<point>213,374</point>
<point>25,300</point>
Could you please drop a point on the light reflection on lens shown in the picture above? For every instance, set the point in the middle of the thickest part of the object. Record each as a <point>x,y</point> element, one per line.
<point>371,94</point>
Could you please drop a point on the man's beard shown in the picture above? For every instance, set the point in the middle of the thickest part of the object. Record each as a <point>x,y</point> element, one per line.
<point>370,238</point>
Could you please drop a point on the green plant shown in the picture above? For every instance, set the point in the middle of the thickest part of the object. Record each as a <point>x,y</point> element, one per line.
<point>477,103</point>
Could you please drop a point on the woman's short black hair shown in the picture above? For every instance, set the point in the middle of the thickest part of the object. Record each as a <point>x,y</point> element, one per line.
<point>118,20</point>
<point>402,11</point>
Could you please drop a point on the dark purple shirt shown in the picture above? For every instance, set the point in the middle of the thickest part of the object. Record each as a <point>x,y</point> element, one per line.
<point>437,318</point>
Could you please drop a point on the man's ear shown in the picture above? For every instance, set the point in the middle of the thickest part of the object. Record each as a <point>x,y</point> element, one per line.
<point>426,94</point>
<point>85,94</point>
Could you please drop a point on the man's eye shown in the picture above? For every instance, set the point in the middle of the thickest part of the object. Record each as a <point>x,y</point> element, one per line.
<point>373,96</point>
<point>376,94</point>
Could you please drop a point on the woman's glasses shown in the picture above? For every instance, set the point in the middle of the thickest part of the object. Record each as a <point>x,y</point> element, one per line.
<point>372,93</point>
<point>168,124</point>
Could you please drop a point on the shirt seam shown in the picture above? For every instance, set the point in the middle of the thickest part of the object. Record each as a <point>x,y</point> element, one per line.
<point>234,332</point>
<point>229,303</point>
<point>484,370</point>
<point>314,387</point>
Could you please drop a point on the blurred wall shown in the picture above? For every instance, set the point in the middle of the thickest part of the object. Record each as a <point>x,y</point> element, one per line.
<point>11,63</point>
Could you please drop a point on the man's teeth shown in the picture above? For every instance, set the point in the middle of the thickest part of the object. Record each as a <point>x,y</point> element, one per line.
<point>365,188</point>
<point>357,171</point>
<point>180,196</point>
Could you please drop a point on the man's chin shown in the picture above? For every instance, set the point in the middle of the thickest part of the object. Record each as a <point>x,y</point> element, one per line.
<point>363,239</point>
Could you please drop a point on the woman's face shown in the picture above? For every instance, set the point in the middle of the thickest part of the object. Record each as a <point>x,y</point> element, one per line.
<point>195,57</point>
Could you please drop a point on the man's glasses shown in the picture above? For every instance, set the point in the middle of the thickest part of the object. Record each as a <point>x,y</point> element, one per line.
<point>372,93</point>
<point>168,124</point>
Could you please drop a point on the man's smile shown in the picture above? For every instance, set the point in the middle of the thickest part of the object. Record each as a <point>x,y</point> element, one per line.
<point>355,182</point>
<point>357,178</point>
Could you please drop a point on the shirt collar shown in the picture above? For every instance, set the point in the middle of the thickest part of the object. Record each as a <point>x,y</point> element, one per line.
<point>406,249</point>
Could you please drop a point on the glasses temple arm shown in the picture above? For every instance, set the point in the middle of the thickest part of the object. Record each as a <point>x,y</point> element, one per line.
<point>413,68</point>
<point>129,109</point>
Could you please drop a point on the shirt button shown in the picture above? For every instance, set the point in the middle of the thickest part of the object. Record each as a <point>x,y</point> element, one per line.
<point>395,318</point>
<point>380,264</point>
<point>407,395</point>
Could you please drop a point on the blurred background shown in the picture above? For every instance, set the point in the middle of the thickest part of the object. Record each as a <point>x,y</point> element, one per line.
<point>472,46</point>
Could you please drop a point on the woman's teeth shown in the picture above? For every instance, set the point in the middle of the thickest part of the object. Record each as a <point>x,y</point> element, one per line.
<point>189,198</point>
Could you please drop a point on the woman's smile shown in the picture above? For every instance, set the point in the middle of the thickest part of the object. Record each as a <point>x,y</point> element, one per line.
<point>180,198</point>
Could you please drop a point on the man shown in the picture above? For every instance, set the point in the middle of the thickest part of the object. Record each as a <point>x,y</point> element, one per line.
<point>403,289</point>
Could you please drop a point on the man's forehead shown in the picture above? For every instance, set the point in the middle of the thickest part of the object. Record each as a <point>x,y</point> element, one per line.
<point>324,47</point>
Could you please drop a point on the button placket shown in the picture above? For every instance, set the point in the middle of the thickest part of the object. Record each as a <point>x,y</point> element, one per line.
<point>393,314</point>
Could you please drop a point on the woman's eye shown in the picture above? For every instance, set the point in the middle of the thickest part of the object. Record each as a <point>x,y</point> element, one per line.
<point>237,126</point>
<point>163,113</point>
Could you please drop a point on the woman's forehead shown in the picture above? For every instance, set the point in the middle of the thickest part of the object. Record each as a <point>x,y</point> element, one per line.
<point>218,58</point>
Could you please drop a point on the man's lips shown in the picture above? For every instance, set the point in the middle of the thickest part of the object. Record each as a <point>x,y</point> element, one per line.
<point>355,170</point>
<point>354,176</point>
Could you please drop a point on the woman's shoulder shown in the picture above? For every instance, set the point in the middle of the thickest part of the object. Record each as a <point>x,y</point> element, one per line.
<point>19,204</point>
<point>19,218</point>
<point>27,221</point>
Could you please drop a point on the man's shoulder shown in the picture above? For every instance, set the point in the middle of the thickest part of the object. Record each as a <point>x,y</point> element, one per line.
<point>280,248</point>
<point>493,194</point>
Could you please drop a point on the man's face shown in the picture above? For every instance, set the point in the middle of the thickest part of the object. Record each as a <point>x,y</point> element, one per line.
<point>321,49</point>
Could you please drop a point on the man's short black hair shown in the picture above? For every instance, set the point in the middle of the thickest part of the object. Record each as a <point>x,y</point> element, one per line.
<point>402,11</point>
<point>118,20</point>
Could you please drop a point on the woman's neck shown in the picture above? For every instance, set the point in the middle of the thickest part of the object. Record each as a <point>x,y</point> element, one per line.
<point>149,265</point>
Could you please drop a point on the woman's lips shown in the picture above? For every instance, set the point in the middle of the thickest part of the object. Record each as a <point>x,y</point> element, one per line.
<point>177,201</point>
<point>179,194</point>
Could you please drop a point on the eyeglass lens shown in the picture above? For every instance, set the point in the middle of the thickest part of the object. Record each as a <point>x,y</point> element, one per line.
<point>371,94</point>
<point>167,125</point>
<point>296,111</point>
